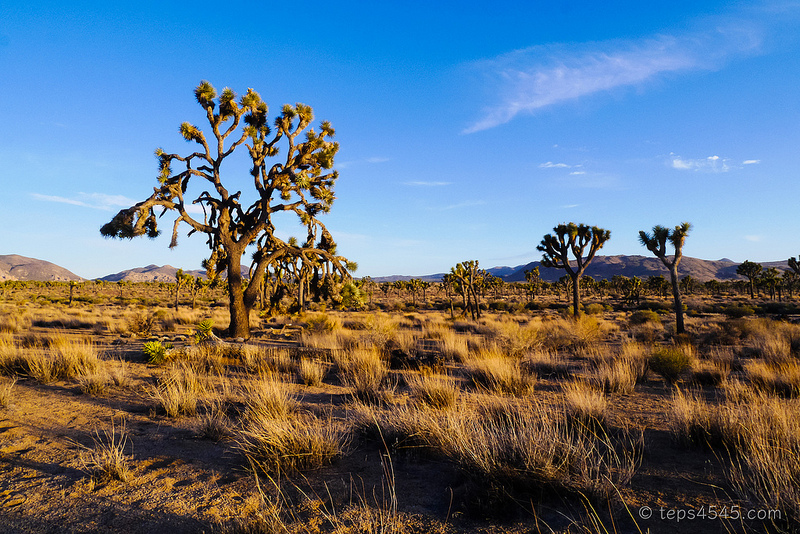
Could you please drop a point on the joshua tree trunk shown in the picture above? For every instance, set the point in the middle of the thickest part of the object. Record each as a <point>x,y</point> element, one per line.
<point>676,295</point>
<point>576,296</point>
<point>240,313</point>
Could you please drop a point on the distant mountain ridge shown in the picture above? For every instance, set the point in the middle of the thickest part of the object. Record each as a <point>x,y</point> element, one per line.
<point>150,273</point>
<point>16,267</point>
<point>608,266</point>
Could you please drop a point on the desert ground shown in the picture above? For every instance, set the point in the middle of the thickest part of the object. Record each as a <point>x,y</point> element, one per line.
<point>120,413</point>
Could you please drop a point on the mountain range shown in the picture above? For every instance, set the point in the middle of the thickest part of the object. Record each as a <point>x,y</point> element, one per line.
<point>15,267</point>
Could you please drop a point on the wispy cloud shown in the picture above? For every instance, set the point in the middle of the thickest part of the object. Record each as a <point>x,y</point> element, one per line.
<point>577,173</point>
<point>533,78</point>
<point>98,201</point>
<point>751,162</point>
<point>710,164</point>
<point>372,161</point>
<point>753,238</point>
<point>427,184</point>
<point>551,165</point>
<point>465,204</point>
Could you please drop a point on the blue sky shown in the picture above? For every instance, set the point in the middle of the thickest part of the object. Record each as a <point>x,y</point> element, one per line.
<point>467,129</point>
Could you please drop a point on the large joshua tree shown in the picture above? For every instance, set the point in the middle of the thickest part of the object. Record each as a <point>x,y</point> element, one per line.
<point>657,244</point>
<point>750,270</point>
<point>572,238</point>
<point>300,183</point>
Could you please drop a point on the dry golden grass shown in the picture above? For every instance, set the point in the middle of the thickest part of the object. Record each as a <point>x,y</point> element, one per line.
<point>365,372</point>
<point>106,459</point>
<point>513,444</point>
<point>310,372</point>
<point>491,370</point>
<point>762,434</point>
<point>178,391</point>
<point>6,393</point>
<point>434,390</point>
<point>273,441</point>
<point>268,396</point>
<point>585,404</point>
<point>781,379</point>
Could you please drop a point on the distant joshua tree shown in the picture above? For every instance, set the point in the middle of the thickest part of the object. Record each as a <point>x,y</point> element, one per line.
<point>657,244</point>
<point>572,238</point>
<point>751,270</point>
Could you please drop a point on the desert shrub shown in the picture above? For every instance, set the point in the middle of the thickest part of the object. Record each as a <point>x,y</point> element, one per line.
<point>670,362</point>
<point>594,309</point>
<point>709,375</point>
<point>141,323</point>
<point>738,310</point>
<point>95,383</point>
<point>644,316</point>
<point>204,330</point>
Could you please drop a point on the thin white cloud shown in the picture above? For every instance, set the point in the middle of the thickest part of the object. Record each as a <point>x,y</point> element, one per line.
<point>753,238</point>
<point>98,201</point>
<point>427,184</point>
<point>465,204</point>
<point>533,78</point>
<point>712,164</point>
<point>576,173</point>
<point>551,165</point>
<point>751,162</point>
<point>570,206</point>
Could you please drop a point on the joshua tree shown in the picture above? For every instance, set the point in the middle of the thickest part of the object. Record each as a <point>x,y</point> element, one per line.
<point>572,238</point>
<point>302,181</point>
<point>750,270</point>
<point>657,244</point>
<point>467,279</point>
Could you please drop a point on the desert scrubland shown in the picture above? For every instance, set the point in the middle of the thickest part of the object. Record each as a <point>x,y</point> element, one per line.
<point>121,413</point>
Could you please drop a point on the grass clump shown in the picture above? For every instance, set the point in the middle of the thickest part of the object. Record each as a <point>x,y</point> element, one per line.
<point>365,372</point>
<point>106,459</point>
<point>436,391</point>
<point>311,372</point>
<point>491,370</point>
<point>5,391</point>
<point>585,404</point>
<point>179,391</point>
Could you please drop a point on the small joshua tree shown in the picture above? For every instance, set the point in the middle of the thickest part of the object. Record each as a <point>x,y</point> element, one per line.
<point>572,238</point>
<point>750,270</point>
<point>657,244</point>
